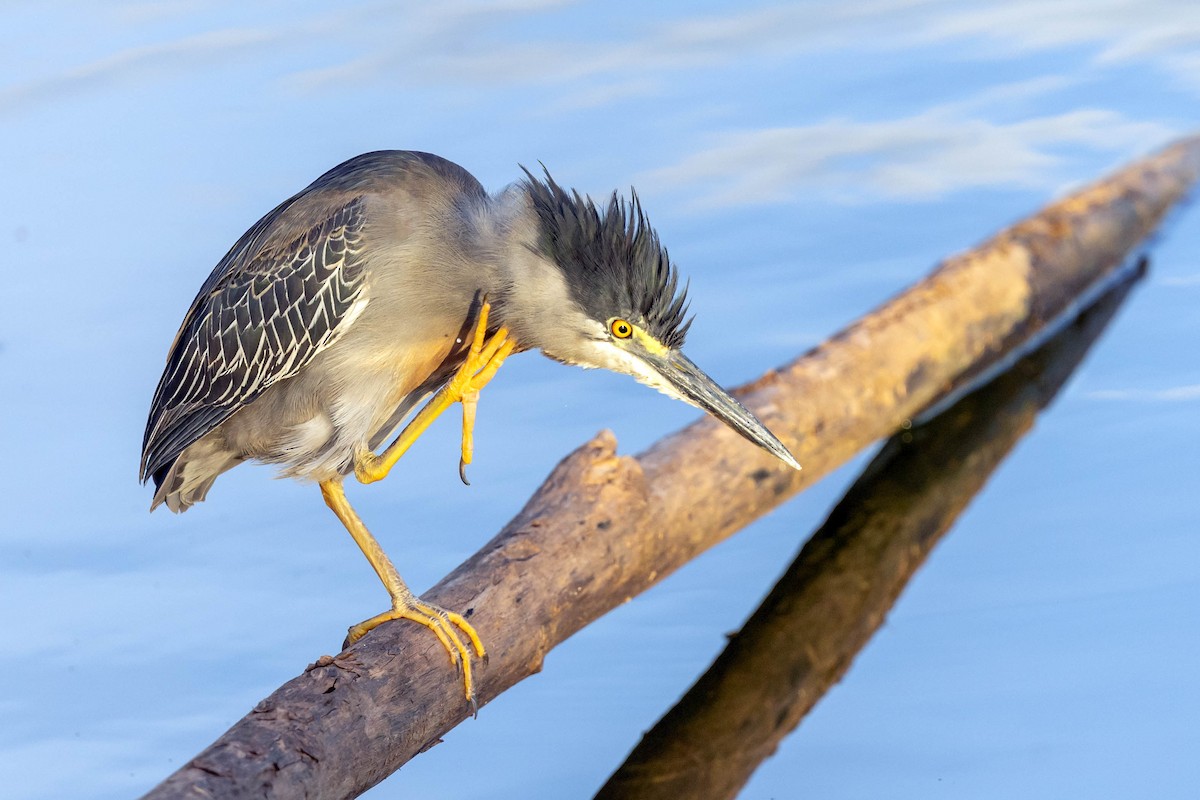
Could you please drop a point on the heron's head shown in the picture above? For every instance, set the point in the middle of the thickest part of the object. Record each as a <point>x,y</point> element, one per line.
<point>624,308</point>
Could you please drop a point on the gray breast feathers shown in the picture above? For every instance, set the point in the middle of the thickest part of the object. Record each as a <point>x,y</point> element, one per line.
<point>264,313</point>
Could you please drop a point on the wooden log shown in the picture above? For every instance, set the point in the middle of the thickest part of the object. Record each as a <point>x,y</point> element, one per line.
<point>604,528</point>
<point>838,591</point>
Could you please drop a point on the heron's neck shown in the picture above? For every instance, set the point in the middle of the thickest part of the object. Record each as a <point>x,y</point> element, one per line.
<point>532,297</point>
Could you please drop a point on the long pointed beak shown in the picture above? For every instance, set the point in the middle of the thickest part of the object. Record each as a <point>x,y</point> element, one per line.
<point>697,388</point>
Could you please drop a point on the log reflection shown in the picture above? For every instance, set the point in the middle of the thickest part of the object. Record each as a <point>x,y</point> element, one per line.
<point>837,592</point>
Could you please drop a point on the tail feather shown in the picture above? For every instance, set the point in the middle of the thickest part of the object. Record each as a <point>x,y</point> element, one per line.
<point>188,478</point>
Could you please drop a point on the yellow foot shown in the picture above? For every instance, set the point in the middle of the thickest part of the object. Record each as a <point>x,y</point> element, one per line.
<point>443,623</point>
<point>483,359</point>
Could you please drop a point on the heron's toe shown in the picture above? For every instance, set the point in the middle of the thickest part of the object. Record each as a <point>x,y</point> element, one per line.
<point>449,627</point>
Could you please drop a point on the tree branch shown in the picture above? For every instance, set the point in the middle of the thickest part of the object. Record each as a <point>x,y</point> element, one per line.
<point>604,528</point>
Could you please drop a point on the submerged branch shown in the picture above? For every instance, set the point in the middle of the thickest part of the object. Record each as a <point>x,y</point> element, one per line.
<point>837,593</point>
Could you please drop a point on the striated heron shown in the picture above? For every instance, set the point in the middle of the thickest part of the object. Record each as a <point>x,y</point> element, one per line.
<point>393,277</point>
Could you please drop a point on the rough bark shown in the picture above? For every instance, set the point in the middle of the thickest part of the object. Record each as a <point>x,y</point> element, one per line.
<point>604,528</point>
<point>838,591</point>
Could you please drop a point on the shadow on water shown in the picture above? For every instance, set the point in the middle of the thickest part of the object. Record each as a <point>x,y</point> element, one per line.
<point>837,592</point>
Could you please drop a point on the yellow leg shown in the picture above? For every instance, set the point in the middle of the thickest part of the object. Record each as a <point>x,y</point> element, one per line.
<point>483,360</point>
<point>405,605</point>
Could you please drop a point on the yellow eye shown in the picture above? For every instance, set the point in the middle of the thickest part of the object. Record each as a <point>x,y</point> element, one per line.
<point>621,329</point>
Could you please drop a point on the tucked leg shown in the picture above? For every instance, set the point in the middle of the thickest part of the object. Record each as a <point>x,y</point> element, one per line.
<point>483,360</point>
<point>405,605</point>
<point>474,381</point>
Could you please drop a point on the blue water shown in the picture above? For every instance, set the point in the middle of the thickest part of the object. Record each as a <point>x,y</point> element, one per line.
<point>802,162</point>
